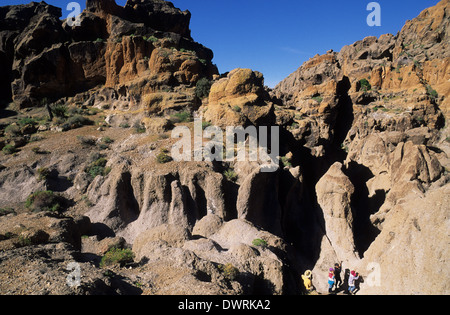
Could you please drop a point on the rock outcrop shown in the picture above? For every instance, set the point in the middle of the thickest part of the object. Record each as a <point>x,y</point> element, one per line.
<point>334,194</point>
<point>379,146</point>
<point>403,75</point>
<point>409,248</point>
<point>146,43</point>
<point>364,160</point>
<point>239,99</point>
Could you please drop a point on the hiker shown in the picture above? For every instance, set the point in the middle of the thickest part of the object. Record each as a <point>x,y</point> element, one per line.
<point>337,275</point>
<point>346,277</point>
<point>307,281</point>
<point>330,280</point>
<point>351,281</point>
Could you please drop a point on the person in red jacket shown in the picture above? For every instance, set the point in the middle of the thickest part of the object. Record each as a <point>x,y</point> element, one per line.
<point>330,280</point>
<point>351,281</point>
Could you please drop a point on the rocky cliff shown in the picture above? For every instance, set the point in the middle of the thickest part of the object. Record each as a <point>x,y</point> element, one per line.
<point>140,48</point>
<point>363,177</point>
<point>377,112</point>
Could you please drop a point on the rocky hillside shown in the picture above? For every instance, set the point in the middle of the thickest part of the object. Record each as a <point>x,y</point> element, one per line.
<point>140,48</point>
<point>88,184</point>
<point>377,114</point>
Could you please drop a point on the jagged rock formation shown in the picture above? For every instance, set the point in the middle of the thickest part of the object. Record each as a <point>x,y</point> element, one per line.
<point>114,46</point>
<point>385,129</point>
<point>403,75</point>
<point>363,177</point>
<point>239,100</point>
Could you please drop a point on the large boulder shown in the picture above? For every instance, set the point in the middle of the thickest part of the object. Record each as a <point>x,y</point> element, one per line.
<point>410,250</point>
<point>258,202</point>
<point>172,235</point>
<point>239,99</point>
<point>334,193</point>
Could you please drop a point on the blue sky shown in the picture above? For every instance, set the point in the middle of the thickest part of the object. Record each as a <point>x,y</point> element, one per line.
<point>276,37</point>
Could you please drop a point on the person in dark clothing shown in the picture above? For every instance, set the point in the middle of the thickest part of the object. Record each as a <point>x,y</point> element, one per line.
<point>337,275</point>
<point>346,277</point>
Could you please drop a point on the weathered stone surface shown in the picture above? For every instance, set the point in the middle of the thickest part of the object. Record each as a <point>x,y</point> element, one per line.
<point>409,249</point>
<point>111,46</point>
<point>239,100</point>
<point>334,192</point>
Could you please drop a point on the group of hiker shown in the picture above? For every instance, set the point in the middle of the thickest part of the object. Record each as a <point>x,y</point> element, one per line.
<point>335,283</point>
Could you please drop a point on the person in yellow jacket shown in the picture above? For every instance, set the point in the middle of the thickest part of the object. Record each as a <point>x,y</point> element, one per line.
<point>307,281</point>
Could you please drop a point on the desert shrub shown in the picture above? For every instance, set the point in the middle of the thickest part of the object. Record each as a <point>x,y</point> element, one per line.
<point>151,38</point>
<point>44,201</point>
<point>433,94</point>
<point>98,167</point>
<point>163,157</point>
<point>117,256</point>
<point>9,149</point>
<point>76,121</point>
<point>139,128</point>
<point>104,143</point>
<point>103,146</point>
<point>259,242</point>
<point>36,138</point>
<point>181,117</point>
<point>229,271</point>
<point>107,140</point>
<point>6,211</point>
<point>27,121</point>
<point>38,150</point>
<point>206,124</point>
<point>365,85</point>
<point>318,98</point>
<point>92,111</point>
<point>12,131</point>
<point>89,141</point>
<point>23,241</point>
<point>202,88</point>
<point>237,109</point>
<point>74,110</point>
<point>59,111</point>
<point>43,174</point>
<point>230,175</point>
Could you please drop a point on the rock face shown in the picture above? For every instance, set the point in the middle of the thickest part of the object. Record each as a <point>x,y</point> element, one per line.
<point>409,249</point>
<point>334,193</point>
<point>403,75</point>
<point>240,99</point>
<point>46,59</point>
<point>374,110</point>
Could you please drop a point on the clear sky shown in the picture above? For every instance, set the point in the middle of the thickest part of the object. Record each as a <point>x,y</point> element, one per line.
<point>276,36</point>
